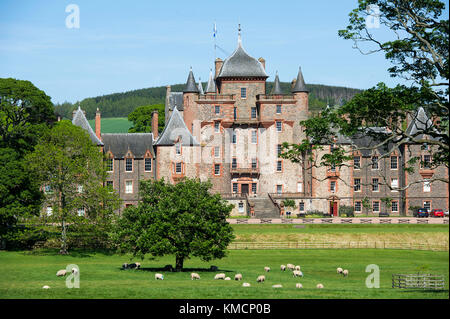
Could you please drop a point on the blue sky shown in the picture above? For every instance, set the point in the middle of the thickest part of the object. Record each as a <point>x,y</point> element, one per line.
<point>128,45</point>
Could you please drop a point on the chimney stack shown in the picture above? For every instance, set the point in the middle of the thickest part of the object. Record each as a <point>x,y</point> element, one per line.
<point>218,64</point>
<point>98,124</point>
<point>155,124</point>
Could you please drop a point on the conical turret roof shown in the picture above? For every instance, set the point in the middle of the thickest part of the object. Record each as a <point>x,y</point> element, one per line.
<point>211,87</point>
<point>190,87</point>
<point>276,86</point>
<point>300,85</point>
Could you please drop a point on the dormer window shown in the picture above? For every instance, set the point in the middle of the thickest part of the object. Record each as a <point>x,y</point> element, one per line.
<point>243,93</point>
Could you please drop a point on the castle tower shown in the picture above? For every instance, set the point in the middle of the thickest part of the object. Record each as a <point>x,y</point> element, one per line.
<point>190,95</point>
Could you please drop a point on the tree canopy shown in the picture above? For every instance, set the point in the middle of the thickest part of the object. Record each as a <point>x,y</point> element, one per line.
<point>182,219</point>
<point>142,118</point>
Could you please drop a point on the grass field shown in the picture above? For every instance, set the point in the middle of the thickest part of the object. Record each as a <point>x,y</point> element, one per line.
<point>24,273</point>
<point>113,125</point>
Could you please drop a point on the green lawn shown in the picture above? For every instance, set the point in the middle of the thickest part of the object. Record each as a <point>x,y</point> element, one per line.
<point>24,274</point>
<point>113,125</point>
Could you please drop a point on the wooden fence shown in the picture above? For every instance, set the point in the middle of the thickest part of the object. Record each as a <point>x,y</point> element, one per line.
<point>338,245</point>
<point>418,281</point>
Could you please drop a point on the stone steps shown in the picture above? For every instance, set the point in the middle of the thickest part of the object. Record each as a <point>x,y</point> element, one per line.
<point>264,208</point>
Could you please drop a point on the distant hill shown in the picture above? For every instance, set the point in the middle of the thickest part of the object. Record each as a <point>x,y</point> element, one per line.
<point>113,125</point>
<point>121,104</point>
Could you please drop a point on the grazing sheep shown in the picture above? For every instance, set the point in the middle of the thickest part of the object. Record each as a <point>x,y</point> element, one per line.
<point>283,267</point>
<point>290,266</point>
<point>277,286</point>
<point>213,268</point>
<point>297,267</point>
<point>298,286</point>
<point>159,276</point>
<point>195,276</point>
<point>297,273</point>
<point>339,270</point>
<point>238,277</point>
<point>227,278</point>
<point>219,276</point>
<point>261,278</point>
<point>319,286</point>
<point>61,272</point>
<point>46,287</point>
<point>245,284</point>
<point>345,272</point>
<point>266,269</point>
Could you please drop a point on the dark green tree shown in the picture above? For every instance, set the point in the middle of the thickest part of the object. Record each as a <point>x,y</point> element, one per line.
<point>182,219</point>
<point>142,118</point>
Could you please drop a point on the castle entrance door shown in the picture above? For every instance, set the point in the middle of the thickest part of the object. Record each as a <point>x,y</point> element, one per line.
<point>244,188</point>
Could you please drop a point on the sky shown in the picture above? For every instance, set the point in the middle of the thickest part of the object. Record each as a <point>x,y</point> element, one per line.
<point>128,45</point>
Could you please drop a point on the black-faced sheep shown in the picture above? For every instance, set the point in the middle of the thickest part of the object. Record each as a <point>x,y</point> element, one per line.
<point>238,277</point>
<point>159,276</point>
<point>261,278</point>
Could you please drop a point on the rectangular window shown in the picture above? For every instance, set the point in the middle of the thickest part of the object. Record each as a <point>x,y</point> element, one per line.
<point>49,210</point>
<point>426,162</point>
<point>254,137</point>
<point>279,189</point>
<point>243,93</point>
<point>357,185</point>
<point>333,186</point>
<point>333,167</point>
<point>128,164</point>
<point>217,109</point>
<point>427,205</point>
<point>234,163</point>
<point>394,184</point>
<point>109,164</point>
<point>253,112</point>
<point>357,162</point>
<point>254,188</point>
<point>217,127</point>
<point>178,148</point>
<point>301,206</point>
<point>394,162</point>
<point>358,207</point>
<point>235,187</point>
<point>216,151</point>
<point>279,126</point>
<point>110,185</point>
<point>279,166</point>
<point>254,163</point>
<point>233,137</point>
<point>394,206</point>
<point>235,113</point>
<point>374,162</point>
<point>241,207</point>
<point>216,169</point>
<point>178,168</point>
<point>427,186</point>
<point>128,187</point>
<point>278,109</point>
<point>375,185</point>
<point>375,206</point>
<point>278,150</point>
<point>81,211</point>
<point>299,187</point>
<point>148,164</point>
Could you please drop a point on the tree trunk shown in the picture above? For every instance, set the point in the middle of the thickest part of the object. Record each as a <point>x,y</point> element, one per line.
<point>179,263</point>
<point>63,249</point>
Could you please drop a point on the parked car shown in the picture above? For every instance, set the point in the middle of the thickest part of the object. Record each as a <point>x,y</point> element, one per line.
<point>421,212</point>
<point>437,213</point>
<point>383,214</point>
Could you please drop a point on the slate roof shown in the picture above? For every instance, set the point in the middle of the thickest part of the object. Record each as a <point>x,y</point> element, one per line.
<point>174,128</point>
<point>80,120</point>
<point>211,87</point>
<point>421,122</point>
<point>240,64</point>
<point>176,100</point>
<point>119,144</point>
<point>276,86</point>
<point>371,137</point>
<point>200,87</point>
<point>300,85</point>
<point>190,87</point>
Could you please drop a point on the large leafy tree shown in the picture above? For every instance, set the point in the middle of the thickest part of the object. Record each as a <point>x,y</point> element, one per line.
<point>418,52</point>
<point>72,171</point>
<point>142,118</point>
<point>182,219</point>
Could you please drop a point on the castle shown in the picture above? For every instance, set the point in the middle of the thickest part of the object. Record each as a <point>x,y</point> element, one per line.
<point>231,134</point>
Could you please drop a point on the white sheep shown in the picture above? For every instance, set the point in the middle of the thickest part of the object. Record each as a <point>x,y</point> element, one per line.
<point>298,286</point>
<point>238,277</point>
<point>297,273</point>
<point>46,287</point>
<point>290,266</point>
<point>345,272</point>
<point>283,267</point>
<point>61,272</point>
<point>319,286</point>
<point>245,284</point>
<point>297,267</point>
<point>227,278</point>
<point>277,286</point>
<point>339,270</point>
<point>195,276</point>
<point>159,276</point>
<point>266,269</point>
<point>219,276</point>
<point>261,278</point>
<point>74,271</point>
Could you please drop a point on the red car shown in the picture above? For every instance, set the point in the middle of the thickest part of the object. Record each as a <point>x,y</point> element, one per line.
<point>437,213</point>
